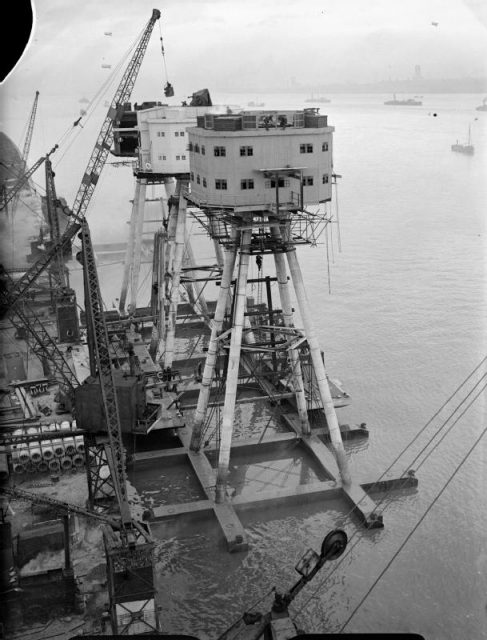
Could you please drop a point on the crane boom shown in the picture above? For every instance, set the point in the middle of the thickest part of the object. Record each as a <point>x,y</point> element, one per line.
<point>93,170</point>
<point>24,178</point>
<point>95,317</point>
<point>30,130</point>
<point>26,149</point>
<point>37,498</point>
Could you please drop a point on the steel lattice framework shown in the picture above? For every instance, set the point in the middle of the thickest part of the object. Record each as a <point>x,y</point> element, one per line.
<point>93,170</point>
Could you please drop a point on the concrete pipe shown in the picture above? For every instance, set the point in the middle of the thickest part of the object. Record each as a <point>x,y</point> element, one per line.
<point>80,444</point>
<point>54,465</point>
<point>69,446</point>
<point>30,467</point>
<point>18,467</point>
<point>104,472</point>
<point>24,456</point>
<point>58,447</point>
<point>65,424</point>
<point>78,460</point>
<point>66,463</point>
<point>35,452</point>
<point>47,450</point>
<point>43,466</point>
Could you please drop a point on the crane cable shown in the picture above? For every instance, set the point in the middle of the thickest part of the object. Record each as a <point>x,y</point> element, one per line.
<point>411,533</point>
<point>388,493</point>
<point>163,53</point>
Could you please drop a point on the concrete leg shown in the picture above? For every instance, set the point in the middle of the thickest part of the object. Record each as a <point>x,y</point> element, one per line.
<point>204,395</point>
<point>134,280</point>
<point>176,277</point>
<point>287,314</point>
<point>233,367</point>
<point>129,252</point>
<point>319,367</point>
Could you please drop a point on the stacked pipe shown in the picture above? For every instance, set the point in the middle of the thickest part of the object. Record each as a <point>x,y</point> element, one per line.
<point>59,453</point>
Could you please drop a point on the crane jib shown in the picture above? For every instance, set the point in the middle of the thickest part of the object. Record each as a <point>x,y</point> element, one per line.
<point>95,165</point>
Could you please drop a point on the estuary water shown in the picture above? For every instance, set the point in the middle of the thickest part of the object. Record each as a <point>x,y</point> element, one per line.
<point>402,323</point>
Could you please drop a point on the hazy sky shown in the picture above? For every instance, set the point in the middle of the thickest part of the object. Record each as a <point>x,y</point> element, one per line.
<point>223,44</point>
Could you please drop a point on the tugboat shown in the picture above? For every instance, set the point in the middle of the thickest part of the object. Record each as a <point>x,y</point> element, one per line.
<point>464,147</point>
<point>408,102</point>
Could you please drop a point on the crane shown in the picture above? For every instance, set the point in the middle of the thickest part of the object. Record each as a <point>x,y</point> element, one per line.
<point>26,149</point>
<point>10,195</point>
<point>92,172</point>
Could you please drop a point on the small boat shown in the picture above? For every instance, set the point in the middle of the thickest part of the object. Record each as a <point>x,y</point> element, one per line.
<point>256,104</point>
<point>464,147</point>
<point>106,66</point>
<point>84,101</point>
<point>483,106</point>
<point>317,99</point>
<point>407,102</point>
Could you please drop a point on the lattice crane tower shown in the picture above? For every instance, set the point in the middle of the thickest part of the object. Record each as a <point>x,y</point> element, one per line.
<point>263,180</point>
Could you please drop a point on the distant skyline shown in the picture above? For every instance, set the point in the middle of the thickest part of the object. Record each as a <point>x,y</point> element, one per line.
<point>232,44</point>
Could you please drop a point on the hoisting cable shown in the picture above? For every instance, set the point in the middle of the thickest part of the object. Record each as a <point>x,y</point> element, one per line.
<point>410,534</point>
<point>94,101</point>
<point>388,493</point>
<point>168,89</point>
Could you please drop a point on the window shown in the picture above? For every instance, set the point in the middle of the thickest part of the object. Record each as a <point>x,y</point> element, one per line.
<point>181,134</point>
<point>178,157</point>
<point>197,148</point>
<point>324,146</point>
<point>308,181</point>
<point>198,179</point>
<point>190,146</point>
<point>305,148</point>
<point>247,184</point>
<point>176,133</point>
<point>246,151</point>
<point>326,178</point>
<point>203,150</point>
<point>183,157</point>
<point>219,151</point>
<point>271,184</point>
<point>204,182</point>
<point>191,175</point>
<point>221,184</point>
<point>160,134</point>
<point>161,157</point>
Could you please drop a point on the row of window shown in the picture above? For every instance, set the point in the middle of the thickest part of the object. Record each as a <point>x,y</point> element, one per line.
<point>221,152</point>
<point>177,157</point>
<point>248,183</point>
<point>177,134</point>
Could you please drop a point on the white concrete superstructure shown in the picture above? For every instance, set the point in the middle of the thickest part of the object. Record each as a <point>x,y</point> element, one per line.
<point>254,159</point>
<point>163,139</point>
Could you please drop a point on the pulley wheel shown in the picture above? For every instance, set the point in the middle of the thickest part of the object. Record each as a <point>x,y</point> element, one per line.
<point>334,544</point>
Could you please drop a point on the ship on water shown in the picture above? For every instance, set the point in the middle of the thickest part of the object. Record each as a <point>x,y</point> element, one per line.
<point>466,147</point>
<point>404,102</point>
